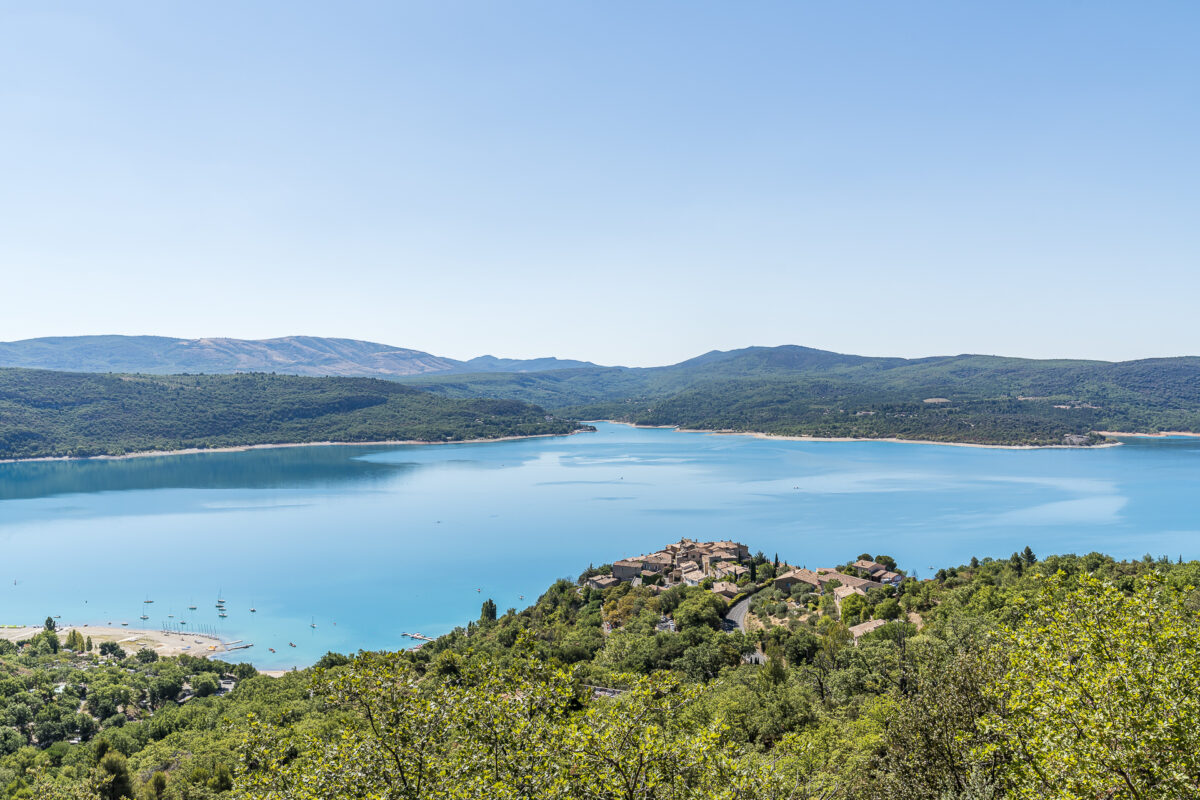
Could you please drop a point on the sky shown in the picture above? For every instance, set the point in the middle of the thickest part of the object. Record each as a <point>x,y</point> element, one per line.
<point>624,182</point>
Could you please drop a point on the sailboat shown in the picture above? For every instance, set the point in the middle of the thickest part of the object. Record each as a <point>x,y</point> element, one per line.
<point>313,624</point>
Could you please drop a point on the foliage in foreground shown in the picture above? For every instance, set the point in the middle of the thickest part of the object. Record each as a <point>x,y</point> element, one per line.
<point>1075,677</point>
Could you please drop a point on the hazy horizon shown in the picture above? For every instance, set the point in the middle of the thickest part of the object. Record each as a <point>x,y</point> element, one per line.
<point>620,183</point>
<point>575,357</point>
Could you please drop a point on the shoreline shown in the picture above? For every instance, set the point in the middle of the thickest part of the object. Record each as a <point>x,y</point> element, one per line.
<point>165,643</point>
<point>1159,435</point>
<point>240,448</point>
<point>892,439</point>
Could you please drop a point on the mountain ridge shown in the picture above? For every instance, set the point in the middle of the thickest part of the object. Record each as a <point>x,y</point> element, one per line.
<point>313,356</point>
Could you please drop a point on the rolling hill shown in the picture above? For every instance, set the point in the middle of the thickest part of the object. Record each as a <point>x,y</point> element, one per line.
<point>794,390</point>
<point>47,414</point>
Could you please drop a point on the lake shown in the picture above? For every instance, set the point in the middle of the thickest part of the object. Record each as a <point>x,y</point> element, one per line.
<point>371,541</point>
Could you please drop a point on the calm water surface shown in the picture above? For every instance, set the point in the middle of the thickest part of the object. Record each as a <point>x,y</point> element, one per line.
<point>372,541</point>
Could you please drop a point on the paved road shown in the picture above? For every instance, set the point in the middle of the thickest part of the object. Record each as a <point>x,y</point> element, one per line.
<point>735,618</point>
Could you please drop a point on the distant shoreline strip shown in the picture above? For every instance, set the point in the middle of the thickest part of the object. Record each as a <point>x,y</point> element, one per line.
<point>783,438</point>
<point>189,451</point>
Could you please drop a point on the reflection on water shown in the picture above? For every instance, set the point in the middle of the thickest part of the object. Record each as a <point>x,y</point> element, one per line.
<point>268,468</point>
<point>368,542</point>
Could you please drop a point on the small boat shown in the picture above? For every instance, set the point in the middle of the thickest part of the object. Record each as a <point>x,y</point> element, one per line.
<point>272,649</point>
<point>222,616</point>
<point>147,601</point>
<point>144,616</point>
<point>291,644</point>
<point>191,608</point>
<point>183,622</point>
<point>124,623</point>
<point>253,610</point>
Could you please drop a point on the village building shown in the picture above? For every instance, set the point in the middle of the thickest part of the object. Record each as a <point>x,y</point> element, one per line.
<point>878,572</point>
<point>725,589</point>
<point>825,576</point>
<point>602,581</point>
<point>862,629</point>
<point>786,581</point>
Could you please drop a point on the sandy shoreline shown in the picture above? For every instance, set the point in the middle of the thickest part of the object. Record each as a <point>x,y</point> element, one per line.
<point>165,643</point>
<point>244,447</point>
<point>1159,435</point>
<point>781,438</point>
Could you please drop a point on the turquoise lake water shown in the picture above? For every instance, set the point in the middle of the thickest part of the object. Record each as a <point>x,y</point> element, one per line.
<point>369,542</point>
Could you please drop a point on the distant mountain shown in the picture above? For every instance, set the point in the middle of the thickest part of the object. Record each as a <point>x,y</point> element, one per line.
<point>801,391</point>
<point>289,355</point>
<point>493,364</point>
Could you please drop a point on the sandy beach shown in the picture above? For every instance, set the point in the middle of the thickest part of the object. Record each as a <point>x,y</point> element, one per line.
<point>1160,435</point>
<point>131,639</point>
<point>781,438</point>
<point>242,448</point>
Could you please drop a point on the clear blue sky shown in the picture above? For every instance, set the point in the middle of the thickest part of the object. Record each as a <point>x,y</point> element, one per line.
<point>627,182</point>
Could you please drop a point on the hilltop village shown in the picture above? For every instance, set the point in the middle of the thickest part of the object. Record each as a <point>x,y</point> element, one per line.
<point>860,593</point>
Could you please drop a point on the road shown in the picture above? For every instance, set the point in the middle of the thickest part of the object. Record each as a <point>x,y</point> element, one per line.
<point>735,618</point>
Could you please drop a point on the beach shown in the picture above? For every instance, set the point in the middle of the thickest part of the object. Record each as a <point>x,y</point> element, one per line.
<point>165,643</point>
<point>246,447</point>
<point>783,438</point>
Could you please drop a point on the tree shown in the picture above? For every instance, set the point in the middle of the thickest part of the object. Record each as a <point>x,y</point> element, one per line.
<point>1101,693</point>
<point>116,782</point>
<point>157,785</point>
<point>146,655</point>
<point>754,572</point>
<point>1028,557</point>
<point>205,684</point>
<point>112,649</point>
<point>88,644</point>
<point>887,609</point>
<point>487,612</point>
<point>49,624</point>
<point>700,610</point>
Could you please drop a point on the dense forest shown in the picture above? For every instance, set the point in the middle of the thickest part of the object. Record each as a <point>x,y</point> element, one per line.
<point>44,413</point>
<point>799,391</point>
<point>1064,677</point>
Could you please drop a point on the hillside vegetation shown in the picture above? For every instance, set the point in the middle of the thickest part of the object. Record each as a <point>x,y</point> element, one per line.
<point>45,413</point>
<point>1069,677</point>
<point>799,391</point>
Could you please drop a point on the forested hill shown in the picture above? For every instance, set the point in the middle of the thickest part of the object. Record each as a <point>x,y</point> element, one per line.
<point>44,413</point>
<point>800,391</point>
<point>1065,677</point>
<point>290,355</point>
